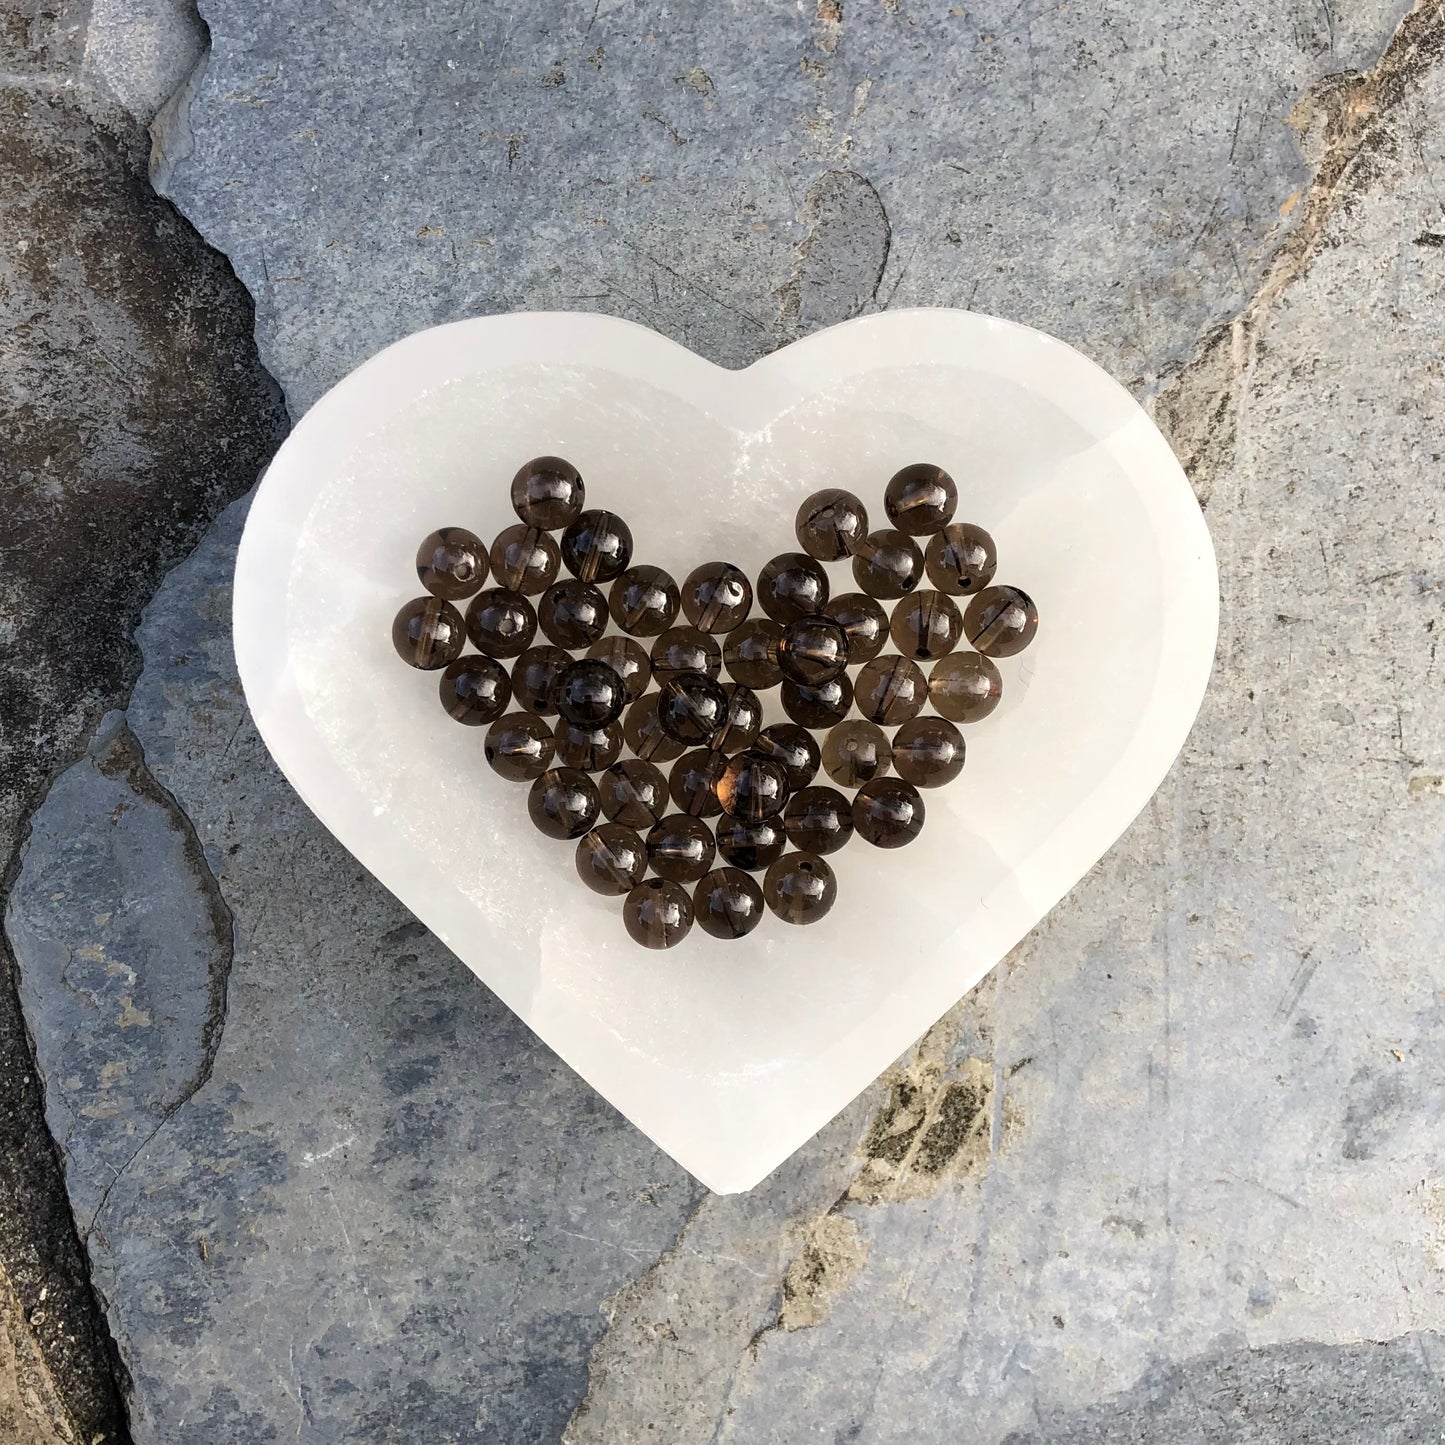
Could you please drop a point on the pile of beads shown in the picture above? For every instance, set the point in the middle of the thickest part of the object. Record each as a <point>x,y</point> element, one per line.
<point>737,798</point>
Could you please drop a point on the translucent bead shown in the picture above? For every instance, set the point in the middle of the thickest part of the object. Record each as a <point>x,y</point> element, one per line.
<point>628,659</point>
<point>750,653</point>
<point>926,625</point>
<point>645,735</point>
<point>727,903</point>
<point>475,689</point>
<point>865,622</point>
<point>751,844</point>
<point>818,820</point>
<point>818,707</point>
<point>793,749</point>
<point>717,596</point>
<point>588,693</point>
<point>597,547</point>
<point>644,601</point>
<point>685,649</point>
<point>452,563</point>
<point>830,524</point>
<point>813,650</point>
<point>547,492</point>
<point>563,803</point>
<point>752,787</point>
<point>633,792</point>
<point>856,752</point>
<point>961,559</point>
<point>888,812</point>
<point>428,633</point>
<point>887,564</point>
<point>928,752</point>
<point>524,559</point>
<point>533,675</point>
<point>890,690</point>
<point>589,750</point>
<point>742,718</point>
<point>500,622</point>
<point>692,708</point>
<point>519,747</point>
<point>965,687</point>
<point>680,847</point>
<point>920,499</point>
<point>792,585</point>
<point>1001,621</point>
<point>657,913</point>
<point>611,860</point>
<point>693,782</point>
<point>800,888</point>
<point>573,613</point>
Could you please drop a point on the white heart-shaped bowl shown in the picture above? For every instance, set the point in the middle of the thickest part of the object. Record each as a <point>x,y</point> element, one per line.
<point>730,1055</point>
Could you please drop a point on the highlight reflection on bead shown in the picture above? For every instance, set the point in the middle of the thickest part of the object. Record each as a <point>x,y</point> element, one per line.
<point>597,547</point>
<point>633,792</point>
<point>501,622</point>
<point>452,563</point>
<point>800,888</point>
<point>547,492</point>
<point>926,625</point>
<point>524,559</point>
<point>727,903</point>
<point>643,601</point>
<point>890,690</point>
<point>928,752</point>
<point>628,659</point>
<point>856,752</point>
<point>657,913</point>
<point>475,689</point>
<point>920,499</point>
<point>961,559</point>
<point>750,653</point>
<point>428,633</point>
<point>794,749</point>
<point>716,596</point>
<point>818,820</point>
<point>865,622</point>
<point>519,747</point>
<point>888,812</point>
<point>1001,621</point>
<point>680,847</point>
<point>563,803</point>
<point>830,524</point>
<point>965,687</point>
<point>611,859</point>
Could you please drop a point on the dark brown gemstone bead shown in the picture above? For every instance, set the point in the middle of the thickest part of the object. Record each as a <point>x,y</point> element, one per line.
<point>573,613</point>
<point>597,547</point>
<point>548,493</point>
<point>475,689</point>
<point>533,675</point>
<point>693,782</point>
<point>961,559</point>
<point>928,752</point>
<point>589,750</point>
<point>792,585</point>
<point>926,625</point>
<point>800,888</point>
<point>818,707</point>
<point>644,601</point>
<point>452,563</point>
<point>888,812</point>
<point>887,564</point>
<point>741,721</point>
<point>588,693</point>
<point>890,690</point>
<point>752,787</point>
<point>628,659</point>
<point>501,623</point>
<point>644,732</point>
<point>519,747</point>
<point>794,750</point>
<point>751,843</point>
<point>965,686</point>
<point>611,859</point>
<point>633,792</point>
<point>750,653</point>
<point>563,803</point>
<point>830,524</point>
<point>865,622</point>
<point>685,649</point>
<point>524,559</point>
<point>692,708</point>
<point>717,596</point>
<point>657,913</point>
<point>428,633</point>
<point>920,499</point>
<point>856,752</point>
<point>727,903</point>
<point>680,847</point>
<point>818,820</point>
<point>1001,621</point>
<point>813,649</point>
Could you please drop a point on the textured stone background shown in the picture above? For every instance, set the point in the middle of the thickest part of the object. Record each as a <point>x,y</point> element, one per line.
<point>1174,1171</point>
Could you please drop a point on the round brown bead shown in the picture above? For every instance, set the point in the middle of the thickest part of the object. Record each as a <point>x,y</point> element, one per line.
<point>644,601</point>
<point>964,686</point>
<point>792,585</point>
<point>452,563</point>
<point>628,659</point>
<point>926,625</point>
<point>750,843</point>
<point>588,693</point>
<point>793,749</point>
<point>685,649</point>
<point>533,675</point>
<point>887,564</point>
<point>865,622</point>
<point>890,690</point>
<point>961,559</point>
<point>717,596</point>
<point>727,903</point>
<point>428,633</point>
<point>1001,621</point>
<point>563,803</point>
<point>800,888</point>
<point>645,735</point>
<point>524,559</point>
<point>856,752</point>
<point>741,720</point>
<point>573,613</point>
<point>501,623</point>
<point>818,820</point>
<point>818,707</point>
<point>920,499</point>
<point>475,689</point>
<point>519,747</point>
<point>693,782</point>
<point>928,752</point>
<point>611,859</point>
<point>830,524</point>
<point>750,653</point>
<point>680,847</point>
<point>589,750</point>
<point>752,787</point>
<point>813,650</point>
<point>692,708</point>
<point>888,812</point>
<point>547,492</point>
<point>657,913</point>
<point>633,792</point>
<point>597,547</point>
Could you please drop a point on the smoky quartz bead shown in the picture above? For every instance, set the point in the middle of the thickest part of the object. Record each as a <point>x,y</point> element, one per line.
<point>818,820</point>
<point>693,782</point>
<point>961,559</point>
<point>793,749</point>
<point>633,792</point>
<point>533,675</point>
<point>519,747</point>
<point>888,812</point>
<point>890,690</point>
<point>928,752</point>
<point>524,559</point>
<point>644,601</point>
<point>645,735</point>
<point>573,613</point>
<point>628,659</point>
<point>887,564</point>
<point>752,787</point>
<point>800,888</point>
<point>965,687</point>
<point>814,649</point>
<point>680,847</point>
<point>818,707</point>
<point>428,633</point>
<point>588,693</point>
<point>597,547</point>
<point>685,649</point>
<point>692,707</point>
<point>611,859</point>
<point>926,625</point>
<point>589,750</point>
<point>751,844</point>
<point>475,689</point>
<point>657,913</point>
<point>750,653</point>
<point>830,524</point>
<point>563,803</point>
<point>792,585</point>
<point>452,563</point>
<point>547,493</point>
<point>920,499</point>
<point>856,752</point>
<point>865,622</point>
<point>1001,621</point>
<point>727,903</point>
<point>741,722</point>
<point>500,622</point>
<point>717,596</point>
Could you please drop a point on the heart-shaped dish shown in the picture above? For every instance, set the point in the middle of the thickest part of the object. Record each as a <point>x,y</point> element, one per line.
<point>730,1055</point>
